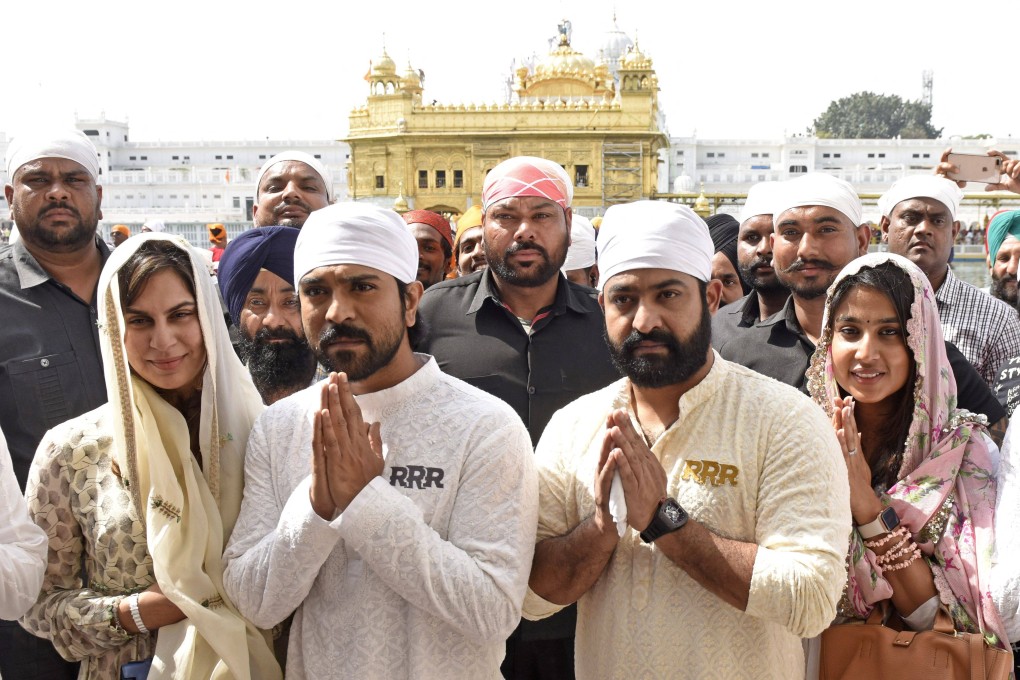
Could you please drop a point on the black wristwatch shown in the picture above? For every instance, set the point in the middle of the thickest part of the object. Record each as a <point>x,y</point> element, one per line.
<point>668,518</point>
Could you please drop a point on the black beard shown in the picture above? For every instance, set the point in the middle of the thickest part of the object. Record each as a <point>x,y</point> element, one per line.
<point>749,274</point>
<point>534,276</point>
<point>357,368</point>
<point>63,240</point>
<point>998,290</point>
<point>683,359</point>
<point>277,368</point>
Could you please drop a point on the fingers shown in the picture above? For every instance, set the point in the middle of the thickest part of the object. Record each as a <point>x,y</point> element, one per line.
<point>351,410</point>
<point>607,447</point>
<point>338,420</point>
<point>375,439</point>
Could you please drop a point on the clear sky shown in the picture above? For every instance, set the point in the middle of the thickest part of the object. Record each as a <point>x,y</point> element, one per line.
<point>213,69</point>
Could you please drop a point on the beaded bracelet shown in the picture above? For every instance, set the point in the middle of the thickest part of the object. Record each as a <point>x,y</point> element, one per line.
<point>899,531</point>
<point>904,564</point>
<point>136,615</point>
<point>893,555</point>
<point>904,546</point>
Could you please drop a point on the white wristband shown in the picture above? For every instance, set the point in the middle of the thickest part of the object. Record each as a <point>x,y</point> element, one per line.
<point>136,615</point>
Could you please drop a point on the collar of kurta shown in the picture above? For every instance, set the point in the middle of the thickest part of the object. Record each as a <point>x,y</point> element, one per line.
<point>31,273</point>
<point>566,298</point>
<point>716,378</point>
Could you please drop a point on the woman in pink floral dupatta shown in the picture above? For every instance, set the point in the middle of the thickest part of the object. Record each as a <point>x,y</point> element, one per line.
<point>884,378</point>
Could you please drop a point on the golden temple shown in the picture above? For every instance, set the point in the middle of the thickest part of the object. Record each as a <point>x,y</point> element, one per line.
<point>599,119</point>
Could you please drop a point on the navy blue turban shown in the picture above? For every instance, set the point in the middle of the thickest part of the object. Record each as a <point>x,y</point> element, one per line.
<point>269,248</point>
<point>723,229</point>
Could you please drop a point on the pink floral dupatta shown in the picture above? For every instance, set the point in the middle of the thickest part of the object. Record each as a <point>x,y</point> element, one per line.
<point>946,490</point>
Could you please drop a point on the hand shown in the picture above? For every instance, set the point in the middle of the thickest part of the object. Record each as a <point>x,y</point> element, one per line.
<point>945,167</point>
<point>603,483</point>
<point>864,504</point>
<point>346,452</point>
<point>644,480</point>
<point>1010,179</point>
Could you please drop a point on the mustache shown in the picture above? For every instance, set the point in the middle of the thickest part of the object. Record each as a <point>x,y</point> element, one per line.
<point>518,246</point>
<point>289,204</point>
<point>335,332</point>
<point>265,334</point>
<point>759,263</point>
<point>62,205</point>
<point>655,335</point>
<point>799,264</point>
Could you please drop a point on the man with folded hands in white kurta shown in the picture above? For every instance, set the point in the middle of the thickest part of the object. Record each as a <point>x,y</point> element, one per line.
<point>696,510</point>
<point>402,537</point>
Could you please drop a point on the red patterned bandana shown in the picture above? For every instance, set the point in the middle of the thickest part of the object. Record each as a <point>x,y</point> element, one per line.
<point>527,176</point>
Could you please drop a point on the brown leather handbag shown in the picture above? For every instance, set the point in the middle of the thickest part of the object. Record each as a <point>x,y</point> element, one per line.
<point>873,650</point>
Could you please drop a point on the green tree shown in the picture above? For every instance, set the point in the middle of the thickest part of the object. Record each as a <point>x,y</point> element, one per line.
<point>866,115</point>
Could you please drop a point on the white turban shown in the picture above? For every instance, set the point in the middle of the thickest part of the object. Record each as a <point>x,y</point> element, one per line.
<point>70,144</point>
<point>154,225</point>
<point>817,188</point>
<point>301,157</point>
<point>654,235</point>
<point>921,186</point>
<point>761,199</point>
<point>581,253</point>
<point>356,233</point>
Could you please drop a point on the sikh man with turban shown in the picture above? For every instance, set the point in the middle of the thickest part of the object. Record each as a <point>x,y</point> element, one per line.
<point>678,494</point>
<point>919,223</point>
<point>119,233</point>
<point>288,187</point>
<point>521,331</point>
<point>1003,244</point>
<point>580,265</point>
<point>256,278</point>
<point>754,262</point>
<point>724,229</point>
<point>435,244</point>
<point>467,244</point>
<point>50,363</point>
<point>400,538</point>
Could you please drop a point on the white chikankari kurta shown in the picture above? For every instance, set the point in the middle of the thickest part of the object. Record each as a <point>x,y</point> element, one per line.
<point>22,545</point>
<point>423,575</point>
<point>751,459</point>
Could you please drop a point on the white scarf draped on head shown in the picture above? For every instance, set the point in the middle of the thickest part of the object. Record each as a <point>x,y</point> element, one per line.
<point>189,511</point>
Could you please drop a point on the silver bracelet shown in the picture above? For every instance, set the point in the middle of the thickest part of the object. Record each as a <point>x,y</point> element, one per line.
<point>136,615</point>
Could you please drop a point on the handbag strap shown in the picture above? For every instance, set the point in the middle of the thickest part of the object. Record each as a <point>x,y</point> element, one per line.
<point>977,656</point>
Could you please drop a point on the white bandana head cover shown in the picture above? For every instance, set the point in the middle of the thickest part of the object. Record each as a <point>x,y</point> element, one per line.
<point>301,157</point>
<point>356,233</point>
<point>70,144</point>
<point>654,235</point>
<point>581,253</point>
<point>761,199</point>
<point>527,176</point>
<point>921,186</point>
<point>154,225</point>
<point>817,188</point>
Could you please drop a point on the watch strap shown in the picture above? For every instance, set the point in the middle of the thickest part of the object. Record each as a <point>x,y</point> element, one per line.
<point>880,525</point>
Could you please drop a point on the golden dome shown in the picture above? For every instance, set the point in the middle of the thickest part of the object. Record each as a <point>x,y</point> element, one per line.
<point>564,60</point>
<point>635,59</point>
<point>411,79</point>
<point>701,204</point>
<point>383,66</point>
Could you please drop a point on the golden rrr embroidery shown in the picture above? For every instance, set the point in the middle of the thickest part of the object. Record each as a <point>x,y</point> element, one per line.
<point>710,472</point>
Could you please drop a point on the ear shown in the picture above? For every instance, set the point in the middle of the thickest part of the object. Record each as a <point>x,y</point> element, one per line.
<point>9,195</point>
<point>254,211</point>
<point>956,229</point>
<point>863,239</point>
<point>593,276</point>
<point>883,226</point>
<point>99,200</point>
<point>602,303</point>
<point>568,217</point>
<point>411,300</point>
<point>713,295</point>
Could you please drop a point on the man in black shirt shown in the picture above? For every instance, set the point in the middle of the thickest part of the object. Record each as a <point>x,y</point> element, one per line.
<point>520,331</point>
<point>50,364</point>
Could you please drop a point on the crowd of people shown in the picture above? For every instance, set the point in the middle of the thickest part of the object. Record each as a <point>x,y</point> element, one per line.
<point>356,444</point>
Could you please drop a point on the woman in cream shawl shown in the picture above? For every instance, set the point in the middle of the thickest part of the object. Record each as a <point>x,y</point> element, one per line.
<point>143,491</point>
<point>913,450</point>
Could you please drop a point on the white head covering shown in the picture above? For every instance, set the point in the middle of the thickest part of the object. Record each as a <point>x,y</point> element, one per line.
<point>921,186</point>
<point>70,144</point>
<point>154,225</point>
<point>188,512</point>
<point>817,188</point>
<point>356,233</point>
<point>581,253</point>
<point>302,157</point>
<point>654,235</point>
<point>760,200</point>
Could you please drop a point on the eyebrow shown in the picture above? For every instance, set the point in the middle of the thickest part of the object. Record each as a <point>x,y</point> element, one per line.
<point>824,219</point>
<point>179,305</point>
<point>309,177</point>
<point>624,288</point>
<point>262,291</point>
<point>854,319</point>
<point>357,278</point>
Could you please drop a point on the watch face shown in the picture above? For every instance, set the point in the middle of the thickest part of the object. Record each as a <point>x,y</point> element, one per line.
<point>674,513</point>
<point>890,518</point>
